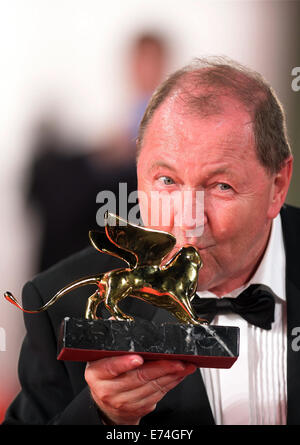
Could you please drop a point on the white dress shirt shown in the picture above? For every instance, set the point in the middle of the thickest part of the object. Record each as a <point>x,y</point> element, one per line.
<point>253,391</point>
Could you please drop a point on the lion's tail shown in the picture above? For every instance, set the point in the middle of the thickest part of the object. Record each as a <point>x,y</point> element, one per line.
<point>78,283</point>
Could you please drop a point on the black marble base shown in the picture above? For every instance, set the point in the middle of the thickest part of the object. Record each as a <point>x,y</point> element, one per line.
<point>206,346</point>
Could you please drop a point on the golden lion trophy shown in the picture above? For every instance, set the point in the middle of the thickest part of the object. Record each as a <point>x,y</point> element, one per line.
<point>170,287</point>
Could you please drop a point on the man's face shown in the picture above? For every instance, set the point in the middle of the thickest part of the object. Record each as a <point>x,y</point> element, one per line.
<point>216,155</point>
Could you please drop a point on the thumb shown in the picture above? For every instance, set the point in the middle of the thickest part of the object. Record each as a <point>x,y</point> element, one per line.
<point>111,367</point>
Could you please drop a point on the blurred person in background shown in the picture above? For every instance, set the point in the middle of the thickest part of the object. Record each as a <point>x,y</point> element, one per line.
<point>148,59</point>
<point>65,178</point>
<point>148,63</point>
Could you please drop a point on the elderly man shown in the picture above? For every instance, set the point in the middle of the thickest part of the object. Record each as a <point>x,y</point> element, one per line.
<point>218,128</point>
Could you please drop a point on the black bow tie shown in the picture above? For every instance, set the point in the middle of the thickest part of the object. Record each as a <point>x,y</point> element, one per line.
<point>255,304</point>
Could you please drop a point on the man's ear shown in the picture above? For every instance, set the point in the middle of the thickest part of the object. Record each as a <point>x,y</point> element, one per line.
<point>280,186</point>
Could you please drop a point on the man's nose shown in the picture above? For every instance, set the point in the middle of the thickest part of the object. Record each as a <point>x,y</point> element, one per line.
<point>190,214</point>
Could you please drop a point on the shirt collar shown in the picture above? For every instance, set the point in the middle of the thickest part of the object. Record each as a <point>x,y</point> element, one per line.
<point>271,270</point>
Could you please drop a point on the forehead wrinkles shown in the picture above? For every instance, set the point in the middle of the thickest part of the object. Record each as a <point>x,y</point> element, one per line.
<point>173,130</point>
<point>241,135</point>
<point>175,123</point>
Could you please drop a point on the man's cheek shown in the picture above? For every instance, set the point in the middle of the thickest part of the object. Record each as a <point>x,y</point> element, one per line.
<point>226,222</point>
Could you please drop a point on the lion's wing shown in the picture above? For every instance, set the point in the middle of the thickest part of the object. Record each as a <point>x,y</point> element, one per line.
<point>148,246</point>
<point>101,242</point>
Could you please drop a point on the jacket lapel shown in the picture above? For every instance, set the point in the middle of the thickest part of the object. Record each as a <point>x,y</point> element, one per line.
<point>291,223</point>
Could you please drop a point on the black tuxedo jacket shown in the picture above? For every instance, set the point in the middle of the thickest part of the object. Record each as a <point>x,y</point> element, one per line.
<point>55,392</point>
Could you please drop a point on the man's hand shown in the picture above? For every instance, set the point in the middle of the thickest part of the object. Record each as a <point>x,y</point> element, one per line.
<point>126,389</point>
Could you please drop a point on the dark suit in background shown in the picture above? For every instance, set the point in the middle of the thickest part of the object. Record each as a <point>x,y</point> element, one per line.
<point>63,187</point>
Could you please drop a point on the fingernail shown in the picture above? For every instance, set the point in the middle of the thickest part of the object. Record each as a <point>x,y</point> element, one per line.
<point>191,368</point>
<point>137,361</point>
<point>180,366</point>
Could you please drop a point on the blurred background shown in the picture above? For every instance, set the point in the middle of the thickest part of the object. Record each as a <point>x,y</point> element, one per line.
<point>75,79</point>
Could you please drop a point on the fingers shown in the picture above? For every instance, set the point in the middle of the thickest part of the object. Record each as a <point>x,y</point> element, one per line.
<point>154,372</point>
<point>137,403</point>
<point>154,390</point>
<point>113,367</point>
<point>125,388</point>
<point>155,377</point>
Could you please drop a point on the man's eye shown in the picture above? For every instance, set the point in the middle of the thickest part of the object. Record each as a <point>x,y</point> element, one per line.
<point>166,180</point>
<point>223,187</point>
